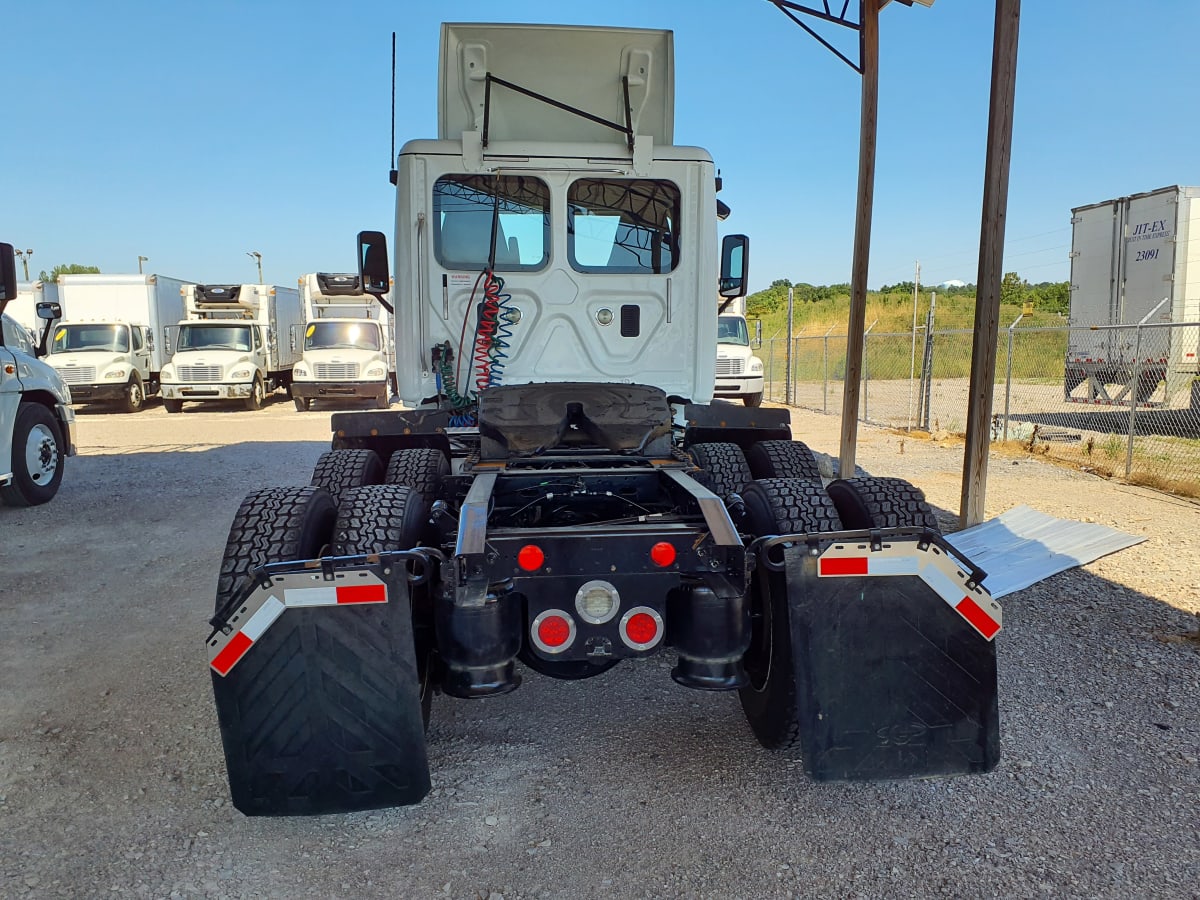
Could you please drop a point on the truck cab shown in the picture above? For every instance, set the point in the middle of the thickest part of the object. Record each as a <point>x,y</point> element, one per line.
<point>346,347</point>
<point>739,371</point>
<point>237,343</point>
<point>37,424</point>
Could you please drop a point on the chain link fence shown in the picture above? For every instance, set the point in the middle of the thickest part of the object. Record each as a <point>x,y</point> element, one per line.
<point>1121,401</point>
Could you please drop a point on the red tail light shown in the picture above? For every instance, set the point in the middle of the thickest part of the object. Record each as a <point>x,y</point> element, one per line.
<point>553,631</point>
<point>530,557</point>
<point>641,628</point>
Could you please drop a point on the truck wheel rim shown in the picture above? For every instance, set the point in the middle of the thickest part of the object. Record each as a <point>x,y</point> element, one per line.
<point>41,454</point>
<point>135,394</point>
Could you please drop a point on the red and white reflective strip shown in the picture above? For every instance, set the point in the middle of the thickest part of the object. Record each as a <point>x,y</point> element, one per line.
<point>932,566</point>
<point>227,650</point>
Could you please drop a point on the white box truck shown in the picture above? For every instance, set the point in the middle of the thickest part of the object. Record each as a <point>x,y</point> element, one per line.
<point>346,347</point>
<point>1134,261</point>
<point>739,371</point>
<point>238,342</point>
<point>37,424</point>
<point>115,336</point>
<point>562,491</point>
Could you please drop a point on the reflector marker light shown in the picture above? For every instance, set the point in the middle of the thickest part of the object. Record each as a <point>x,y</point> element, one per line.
<point>641,628</point>
<point>935,568</point>
<point>530,557</point>
<point>227,650</point>
<point>662,554</point>
<point>553,631</point>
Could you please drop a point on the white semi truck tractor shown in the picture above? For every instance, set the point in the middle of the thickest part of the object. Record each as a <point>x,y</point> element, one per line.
<point>739,371</point>
<point>346,349</point>
<point>561,490</point>
<point>37,424</point>
<point>238,342</point>
<point>115,337</point>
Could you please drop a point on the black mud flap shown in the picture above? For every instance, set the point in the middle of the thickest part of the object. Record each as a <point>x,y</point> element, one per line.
<point>317,693</point>
<point>892,680</point>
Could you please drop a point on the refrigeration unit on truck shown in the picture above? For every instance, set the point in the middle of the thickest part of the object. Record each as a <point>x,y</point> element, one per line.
<point>739,371</point>
<point>346,346</point>
<point>238,342</point>
<point>115,336</point>
<point>37,424</point>
<point>562,491</point>
<point>1135,261</point>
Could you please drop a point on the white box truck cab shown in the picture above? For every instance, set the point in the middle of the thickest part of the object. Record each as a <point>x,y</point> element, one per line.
<point>37,424</point>
<point>347,341</point>
<point>739,371</point>
<point>238,342</point>
<point>563,492</point>
<point>116,336</point>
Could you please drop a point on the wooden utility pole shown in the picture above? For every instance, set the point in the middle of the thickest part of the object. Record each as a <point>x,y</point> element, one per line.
<point>991,261</point>
<point>869,37</point>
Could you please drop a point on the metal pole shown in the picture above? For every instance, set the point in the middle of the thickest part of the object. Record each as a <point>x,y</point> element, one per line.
<point>991,260</point>
<point>1133,394</point>
<point>912,364</point>
<point>866,374</point>
<point>825,374</point>
<point>1008,372</point>
<point>771,372</point>
<point>927,364</point>
<point>869,44</point>
<point>787,390</point>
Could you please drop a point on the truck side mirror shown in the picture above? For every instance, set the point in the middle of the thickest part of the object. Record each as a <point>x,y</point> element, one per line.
<point>292,338</point>
<point>373,270</point>
<point>167,340</point>
<point>49,311</point>
<point>150,339</point>
<point>8,275</point>
<point>757,333</point>
<point>735,265</point>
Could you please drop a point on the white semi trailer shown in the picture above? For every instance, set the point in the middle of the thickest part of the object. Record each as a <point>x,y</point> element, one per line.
<point>347,343</point>
<point>739,371</point>
<point>37,424</point>
<point>562,491</point>
<point>238,342</point>
<point>1134,261</point>
<point>115,336</point>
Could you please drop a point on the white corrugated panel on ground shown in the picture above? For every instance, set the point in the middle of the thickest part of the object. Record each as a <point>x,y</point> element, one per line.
<point>1023,546</point>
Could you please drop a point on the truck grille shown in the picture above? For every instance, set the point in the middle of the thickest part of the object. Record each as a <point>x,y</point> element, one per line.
<point>199,373</point>
<point>336,371</point>
<point>78,374</point>
<point>730,366</point>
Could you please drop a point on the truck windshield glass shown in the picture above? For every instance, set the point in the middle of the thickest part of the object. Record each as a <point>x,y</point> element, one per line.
<point>214,337</point>
<point>623,226</point>
<point>110,338</point>
<point>345,335</point>
<point>732,330</point>
<point>464,209</point>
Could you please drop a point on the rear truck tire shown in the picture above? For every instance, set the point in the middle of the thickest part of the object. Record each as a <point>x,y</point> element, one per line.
<point>376,518</point>
<point>867,502</point>
<point>172,406</point>
<point>420,468</point>
<point>257,394</point>
<point>339,470</point>
<point>135,395</point>
<point>302,403</point>
<point>782,459</point>
<point>38,457</point>
<point>314,717</point>
<point>753,399</point>
<point>724,465</point>
<point>777,506</point>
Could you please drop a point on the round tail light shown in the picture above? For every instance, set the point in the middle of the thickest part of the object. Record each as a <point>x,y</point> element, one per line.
<point>641,628</point>
<point>553,631</point>
<point>597,602</point>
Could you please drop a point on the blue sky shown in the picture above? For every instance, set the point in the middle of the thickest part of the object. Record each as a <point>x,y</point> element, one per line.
<point>193,133</point>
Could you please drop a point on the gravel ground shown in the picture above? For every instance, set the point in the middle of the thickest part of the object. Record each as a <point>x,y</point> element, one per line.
<point>112,780</point>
